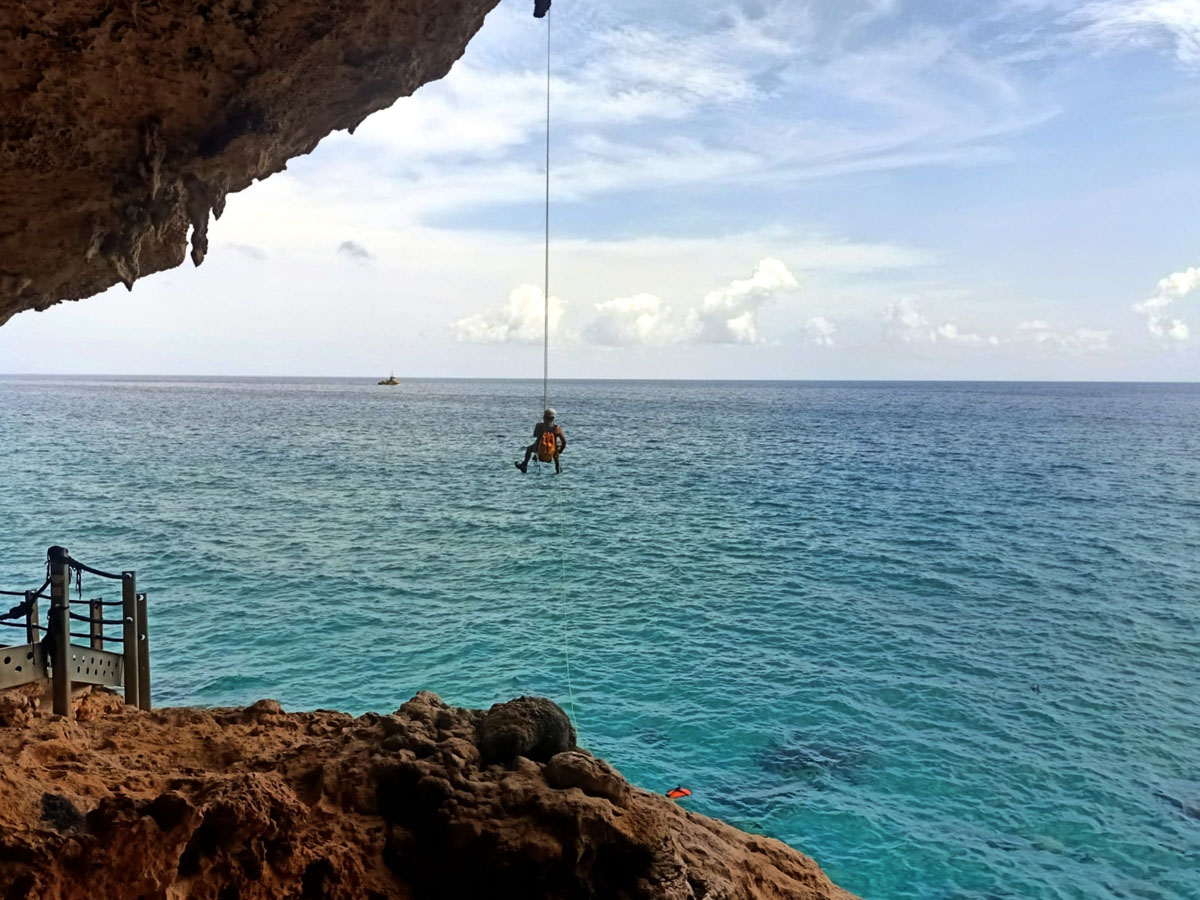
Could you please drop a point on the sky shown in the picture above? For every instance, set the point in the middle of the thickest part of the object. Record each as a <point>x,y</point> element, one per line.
<point>874,189</point>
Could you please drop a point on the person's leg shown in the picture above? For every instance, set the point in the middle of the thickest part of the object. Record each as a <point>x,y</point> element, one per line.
<point>524,464</point>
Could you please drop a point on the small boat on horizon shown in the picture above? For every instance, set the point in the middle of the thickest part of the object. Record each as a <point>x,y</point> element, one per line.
<point>391,379</point>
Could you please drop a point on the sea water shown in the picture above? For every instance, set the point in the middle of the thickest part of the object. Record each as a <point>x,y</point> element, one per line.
<point>945,638</point>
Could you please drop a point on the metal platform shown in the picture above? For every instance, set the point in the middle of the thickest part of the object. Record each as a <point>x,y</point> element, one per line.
<point>23,664</point>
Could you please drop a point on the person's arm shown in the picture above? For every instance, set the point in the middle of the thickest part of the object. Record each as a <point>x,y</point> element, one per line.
<point>562,439</point>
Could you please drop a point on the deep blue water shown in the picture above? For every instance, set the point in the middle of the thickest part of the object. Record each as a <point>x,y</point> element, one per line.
<point>945,638</point>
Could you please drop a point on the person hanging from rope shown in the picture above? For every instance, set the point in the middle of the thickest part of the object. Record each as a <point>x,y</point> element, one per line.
<point>548,442</point>
<point>540,8</point>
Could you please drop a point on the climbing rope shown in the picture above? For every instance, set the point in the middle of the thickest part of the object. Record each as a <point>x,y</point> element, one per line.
<point>546,273</point>
<point>562,556</point>
<point>541,10</point>
<point>564,605</point>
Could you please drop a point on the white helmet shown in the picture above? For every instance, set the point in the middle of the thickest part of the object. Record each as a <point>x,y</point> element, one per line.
<point>549,414</point>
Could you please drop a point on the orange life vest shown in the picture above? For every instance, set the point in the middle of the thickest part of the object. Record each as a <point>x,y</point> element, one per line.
<point>547,447</point>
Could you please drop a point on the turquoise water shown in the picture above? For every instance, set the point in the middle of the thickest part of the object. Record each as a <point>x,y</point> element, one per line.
<point>943,637</point>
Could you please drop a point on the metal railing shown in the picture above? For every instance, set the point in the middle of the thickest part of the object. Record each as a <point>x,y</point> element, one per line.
<point>65,664</point>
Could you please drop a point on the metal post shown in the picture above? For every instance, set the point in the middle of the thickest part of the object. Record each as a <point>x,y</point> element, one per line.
<point>143,661</point>
<point>129,619</point>
<point>60,625</point>
<point>31,618</point>
<point>95,629</point>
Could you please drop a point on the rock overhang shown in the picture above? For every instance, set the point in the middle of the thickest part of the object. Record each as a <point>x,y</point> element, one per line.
<point>124,125</point>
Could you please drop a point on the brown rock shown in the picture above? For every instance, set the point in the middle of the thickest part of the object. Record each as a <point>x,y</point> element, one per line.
<point>262,709</point>
<point>123,125</point>
<point>18,705</point>
<point>218,804</point>
<point>595,777</point>
<point>533,727</point>
<point>95,702</point>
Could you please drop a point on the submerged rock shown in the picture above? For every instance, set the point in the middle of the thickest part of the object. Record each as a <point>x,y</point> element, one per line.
<point>259,804</point>
<point>798,760</point>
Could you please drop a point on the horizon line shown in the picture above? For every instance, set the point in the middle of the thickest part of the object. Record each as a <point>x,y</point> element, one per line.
<point>403,378</point>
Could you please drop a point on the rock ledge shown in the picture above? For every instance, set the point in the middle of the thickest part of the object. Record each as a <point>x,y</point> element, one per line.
<point>258,804</point>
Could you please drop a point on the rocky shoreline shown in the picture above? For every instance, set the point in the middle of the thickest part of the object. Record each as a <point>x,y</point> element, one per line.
<point>430,801</point>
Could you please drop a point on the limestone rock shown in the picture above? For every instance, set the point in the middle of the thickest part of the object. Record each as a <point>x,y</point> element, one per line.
<point>532,727</point>
<point>18,705</point>
<point>95,702</point>
<point>575,769</point>
<point>123,125</point>
<point>210,804</point>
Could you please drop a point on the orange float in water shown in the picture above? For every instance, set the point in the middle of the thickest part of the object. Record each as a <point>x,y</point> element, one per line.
<point>678,793</point>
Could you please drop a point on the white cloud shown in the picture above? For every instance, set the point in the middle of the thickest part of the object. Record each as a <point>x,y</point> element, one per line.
<point>623,75</point>
<point>905,322</point>
<point>1169,290</point>
<point>949,331</point>
<point>1079,341</point>
<point>1039,330</point>
<point>730,315</point>
<point>820,331</point>
<point>700,94</point>
<point>1087,340</point>
<point>642,319</point>
<point>520,321</point>
<point>1115,24</point>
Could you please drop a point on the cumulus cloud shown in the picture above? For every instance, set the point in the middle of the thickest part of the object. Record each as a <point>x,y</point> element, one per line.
<point>730,315</point>
<point>355,251</point>
<point>641,319</point>
<point>820,331</point>
<point>1081,340</point>
<point>904,321</point>
<point>949,331</point>
<point>520,321</point>
<point>1156,308</point>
